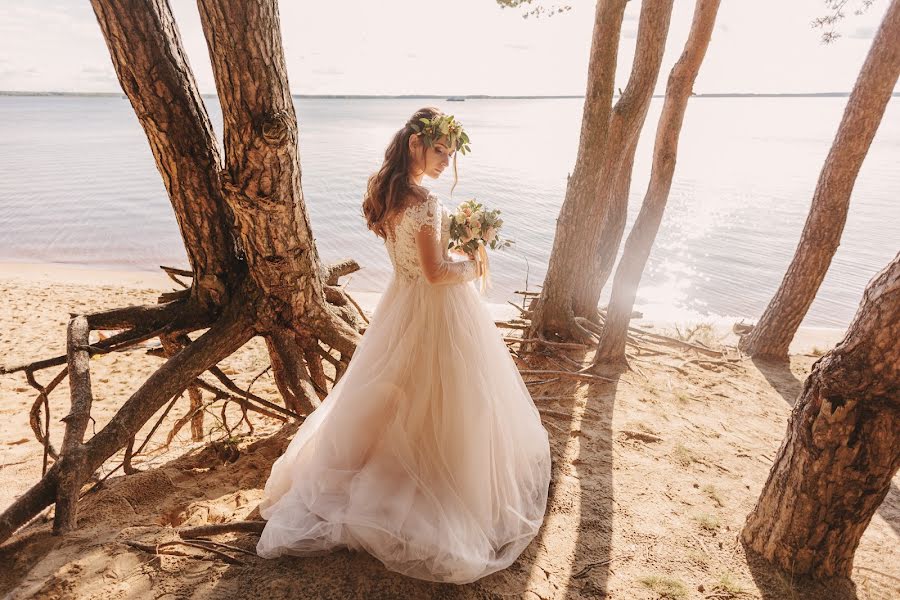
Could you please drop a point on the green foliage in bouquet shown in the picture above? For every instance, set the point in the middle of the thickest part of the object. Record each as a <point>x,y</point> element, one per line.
<point>443,125</point>
<point>473,225</point>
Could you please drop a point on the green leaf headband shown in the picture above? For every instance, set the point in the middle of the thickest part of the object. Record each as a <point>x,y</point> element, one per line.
<point>443,125</point>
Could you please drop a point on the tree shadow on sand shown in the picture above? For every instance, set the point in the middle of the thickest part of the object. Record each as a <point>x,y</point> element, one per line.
<point>774,584</point>
<point>781,378</point>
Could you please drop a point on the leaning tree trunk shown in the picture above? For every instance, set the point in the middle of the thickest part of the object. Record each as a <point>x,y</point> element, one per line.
<point>628,117</point>
<point>772,335</point>
<point>611,235</point>
<point>145,47</point>
<point>842,447</point>
<point>611,347</point>
<point>553,311</point>
<point>255,267</point>
<point>569,289</point>
<point>262,171</point>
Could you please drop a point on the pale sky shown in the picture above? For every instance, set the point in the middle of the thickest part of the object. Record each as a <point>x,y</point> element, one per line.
<point>449,47</point>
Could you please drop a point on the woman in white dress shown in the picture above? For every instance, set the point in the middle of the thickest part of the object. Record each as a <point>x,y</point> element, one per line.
<point>429,452</point>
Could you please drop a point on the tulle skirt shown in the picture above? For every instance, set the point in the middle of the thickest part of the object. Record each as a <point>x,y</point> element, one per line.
<point>428,453</point>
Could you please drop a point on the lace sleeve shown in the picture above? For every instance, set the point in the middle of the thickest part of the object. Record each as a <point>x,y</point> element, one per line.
<point>427,227</point>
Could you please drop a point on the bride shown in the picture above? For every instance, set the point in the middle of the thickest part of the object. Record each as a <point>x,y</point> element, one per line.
<point>428,453</point>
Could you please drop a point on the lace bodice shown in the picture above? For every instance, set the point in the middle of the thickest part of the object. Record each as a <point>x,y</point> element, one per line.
<point>404,248</point>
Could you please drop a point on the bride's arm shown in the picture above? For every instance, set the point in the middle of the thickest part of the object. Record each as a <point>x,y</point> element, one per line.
<point>435,267</point>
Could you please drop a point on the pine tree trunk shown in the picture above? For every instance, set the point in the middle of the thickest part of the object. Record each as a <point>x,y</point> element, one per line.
<point>553,312</point>
<point>629,115</point>
<point>262,170</point>
<point>154,73</point>
<point>569,289</point>
<point>613,230</point>
<point>611,347</point>
<point>842,447</point>
<point>772,335</point>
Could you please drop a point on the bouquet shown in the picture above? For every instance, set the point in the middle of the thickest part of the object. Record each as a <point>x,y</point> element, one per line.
<point>472,228</point>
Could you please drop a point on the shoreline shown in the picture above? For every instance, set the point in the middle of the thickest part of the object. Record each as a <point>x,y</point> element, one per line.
<point>809,339</point>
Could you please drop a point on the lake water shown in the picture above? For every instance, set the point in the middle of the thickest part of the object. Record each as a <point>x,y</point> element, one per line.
<point>78,185</point>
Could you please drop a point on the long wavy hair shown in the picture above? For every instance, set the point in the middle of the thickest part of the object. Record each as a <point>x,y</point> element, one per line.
<point>389,188</point>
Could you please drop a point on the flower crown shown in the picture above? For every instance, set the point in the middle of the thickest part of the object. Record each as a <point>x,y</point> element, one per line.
<point>442,125</point>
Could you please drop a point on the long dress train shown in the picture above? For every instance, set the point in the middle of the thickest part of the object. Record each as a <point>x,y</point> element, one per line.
<point>429,452</point>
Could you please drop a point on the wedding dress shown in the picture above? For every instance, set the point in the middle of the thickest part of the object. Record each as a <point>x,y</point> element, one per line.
<point>429,452</point>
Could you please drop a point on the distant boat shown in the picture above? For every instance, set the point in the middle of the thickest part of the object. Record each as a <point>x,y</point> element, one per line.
<point>456,99</point>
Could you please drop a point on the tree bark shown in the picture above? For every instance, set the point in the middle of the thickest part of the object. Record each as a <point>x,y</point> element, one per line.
<point>772,335</point>
<point>154,73</point>
<point>842,447</point>
<point>610,237</point>
<point>262,170</point>
<point>553,310</point>
<point>569,289</point>
<point>289,370</point>
<point>628,119</point>
<point>611,346</point>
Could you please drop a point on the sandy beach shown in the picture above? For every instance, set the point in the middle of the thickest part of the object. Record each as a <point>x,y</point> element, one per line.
<point>653,474</point>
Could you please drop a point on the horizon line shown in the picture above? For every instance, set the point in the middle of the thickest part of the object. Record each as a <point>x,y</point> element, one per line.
<point>451,97</point>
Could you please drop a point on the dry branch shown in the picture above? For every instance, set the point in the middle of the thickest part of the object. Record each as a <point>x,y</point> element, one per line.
<point>565,374</point>
<point>43,399</point>
<point>546,342</point>
<point>338,269</point>
<point>158,549</point>
<point>220,528</point>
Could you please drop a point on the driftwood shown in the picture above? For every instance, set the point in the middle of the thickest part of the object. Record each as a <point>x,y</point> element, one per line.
<point>73,471</point>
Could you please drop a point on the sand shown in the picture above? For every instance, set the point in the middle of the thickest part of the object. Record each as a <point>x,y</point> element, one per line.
<point>653,476</point>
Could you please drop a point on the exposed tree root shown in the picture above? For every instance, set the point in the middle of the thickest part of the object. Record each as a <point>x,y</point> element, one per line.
<point>172,378</point>
<point>43,435</point>
<point>165,548</point>
<point>220,528</point>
